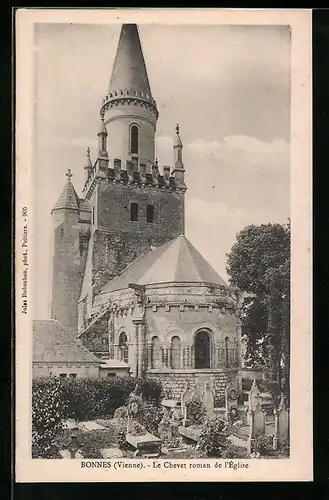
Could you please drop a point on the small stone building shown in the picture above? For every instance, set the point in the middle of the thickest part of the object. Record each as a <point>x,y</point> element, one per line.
<point>56,352</point>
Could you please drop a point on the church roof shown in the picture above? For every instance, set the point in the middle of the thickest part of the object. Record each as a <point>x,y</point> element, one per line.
<point>175,261</point>
<point>129,69</point>
<point>68,198</point>
<point>51,343</point>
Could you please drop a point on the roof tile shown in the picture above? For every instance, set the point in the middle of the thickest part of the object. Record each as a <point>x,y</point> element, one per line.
<point>51,343</point>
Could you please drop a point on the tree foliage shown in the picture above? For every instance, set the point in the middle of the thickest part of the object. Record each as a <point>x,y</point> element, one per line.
<point>259,265</point>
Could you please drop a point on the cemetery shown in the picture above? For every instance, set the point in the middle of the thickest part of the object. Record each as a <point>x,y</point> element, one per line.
<point>153,424</point>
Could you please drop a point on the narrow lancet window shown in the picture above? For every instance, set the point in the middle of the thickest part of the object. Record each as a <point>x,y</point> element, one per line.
<point>134,139</point>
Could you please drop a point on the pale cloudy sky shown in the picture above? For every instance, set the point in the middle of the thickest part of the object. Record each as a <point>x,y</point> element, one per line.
<point>227,86</point>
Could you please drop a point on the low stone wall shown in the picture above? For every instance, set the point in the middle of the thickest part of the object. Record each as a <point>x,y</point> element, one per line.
<point>176,380</point>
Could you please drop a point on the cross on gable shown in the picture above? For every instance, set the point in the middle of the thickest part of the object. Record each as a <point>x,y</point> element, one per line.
<point>69,174</point>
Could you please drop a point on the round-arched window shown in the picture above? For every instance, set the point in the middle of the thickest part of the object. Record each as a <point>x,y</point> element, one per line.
<point>175,352</point>
<point>202,349</point>
<point>134,139</point>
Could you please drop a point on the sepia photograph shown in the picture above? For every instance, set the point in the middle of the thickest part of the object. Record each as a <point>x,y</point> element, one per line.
<point>157,249</point>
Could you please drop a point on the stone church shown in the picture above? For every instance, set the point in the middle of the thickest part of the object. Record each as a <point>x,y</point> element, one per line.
<point>126,280</point>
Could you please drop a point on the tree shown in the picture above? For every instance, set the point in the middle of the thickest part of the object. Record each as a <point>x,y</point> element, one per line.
<point>259,265</point>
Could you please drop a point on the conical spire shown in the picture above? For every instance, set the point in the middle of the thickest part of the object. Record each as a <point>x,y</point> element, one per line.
<point>129,69</point>
<point>68,198</point>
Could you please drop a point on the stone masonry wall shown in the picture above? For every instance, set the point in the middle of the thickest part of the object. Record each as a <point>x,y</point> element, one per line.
<point>176,382</point>
<point>119,241</point>
<point>68,270</point>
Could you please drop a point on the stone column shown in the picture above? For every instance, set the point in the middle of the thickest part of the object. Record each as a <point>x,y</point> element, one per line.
<point>165,356</point>
<point>149,356</point>
<point>182,347</point>
<point>139,336</point>
<point>238,346</point>
<point>238,354</point>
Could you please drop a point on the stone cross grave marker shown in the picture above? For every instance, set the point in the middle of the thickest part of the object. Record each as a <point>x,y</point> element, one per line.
<point>186,398</point>
<point>207,399</point>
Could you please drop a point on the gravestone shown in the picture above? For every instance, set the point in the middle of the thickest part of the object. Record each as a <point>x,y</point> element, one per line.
<point>191,434</point>
<point>231,403</point>
<point>164,429</point>
<point>256,419</point>
<point>200,382</point>
<point>186,398</point>
<point>254,399</point>
<point>281,425</point>
<point>145,444</point>
<point>207,399</point>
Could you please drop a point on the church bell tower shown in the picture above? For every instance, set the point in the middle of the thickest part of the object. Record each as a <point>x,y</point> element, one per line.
<point>135,204</point>
<point>129,110</point>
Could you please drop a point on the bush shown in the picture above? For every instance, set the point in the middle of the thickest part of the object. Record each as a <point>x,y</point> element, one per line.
<point>150,389</point>
<point>48,413</point>
<point>213,438</point>
<point>90,398</point>
<point>150,416</point>
<point>196,412</point>
<point>263,445</point>
<point>232,451</point>
<point>272,388</point>
<point>285,448</point>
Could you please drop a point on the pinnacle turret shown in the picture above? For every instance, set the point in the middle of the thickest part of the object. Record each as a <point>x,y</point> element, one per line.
<point>88,165</point>
<point>178,171</point>
<point>68,198</point>
<point>178,142</point>
<point>102,142</point>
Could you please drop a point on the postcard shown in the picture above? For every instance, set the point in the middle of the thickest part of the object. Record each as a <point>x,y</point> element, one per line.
<point>163,245</point>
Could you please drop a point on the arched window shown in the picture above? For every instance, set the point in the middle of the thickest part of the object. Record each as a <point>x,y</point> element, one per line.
<point>134,212</point>
<point>202,349</point>
<point>227,361</point>
<point>123,347</point>
<point>134,139</point>
<point>175,352</point>
<point>156,353</point>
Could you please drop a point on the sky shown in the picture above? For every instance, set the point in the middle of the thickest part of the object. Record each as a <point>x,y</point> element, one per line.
<point>228,87</point>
